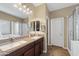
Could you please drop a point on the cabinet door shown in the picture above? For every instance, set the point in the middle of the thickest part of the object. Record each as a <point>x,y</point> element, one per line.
<point>37,49</point>
<point>41,46</point>
<point>30,52</point>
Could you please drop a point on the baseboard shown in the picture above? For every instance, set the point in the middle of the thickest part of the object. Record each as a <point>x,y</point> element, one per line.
<point>65,48</point>
<point>68,51</point>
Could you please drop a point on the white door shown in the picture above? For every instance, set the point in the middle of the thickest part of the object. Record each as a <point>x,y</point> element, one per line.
<point>57,32</point>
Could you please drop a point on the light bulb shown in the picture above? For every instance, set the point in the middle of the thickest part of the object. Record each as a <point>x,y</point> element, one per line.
<point>24,6</point>
<point>28,9</point>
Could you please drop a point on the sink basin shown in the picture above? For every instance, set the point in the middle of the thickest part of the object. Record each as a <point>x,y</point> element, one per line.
<point>11,45</point>
<point>21,41</point>
<point>35,37</point>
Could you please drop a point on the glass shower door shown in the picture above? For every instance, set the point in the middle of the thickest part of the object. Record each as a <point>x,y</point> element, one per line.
<point>76,24</point>
<point>70,31</point>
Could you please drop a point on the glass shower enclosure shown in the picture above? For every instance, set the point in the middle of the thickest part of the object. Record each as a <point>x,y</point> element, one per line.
<point>73,32</point>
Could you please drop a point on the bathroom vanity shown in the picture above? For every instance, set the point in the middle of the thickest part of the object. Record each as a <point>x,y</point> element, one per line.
<point>28,47</point>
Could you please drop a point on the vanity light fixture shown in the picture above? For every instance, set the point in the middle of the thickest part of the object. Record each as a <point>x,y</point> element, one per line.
<point>23,8</point>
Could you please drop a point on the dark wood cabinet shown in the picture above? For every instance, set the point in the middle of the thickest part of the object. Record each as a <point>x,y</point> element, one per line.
<point>39,47</point>
<point>32,49</point>
<point>29,52</point>
<point>21,51</point>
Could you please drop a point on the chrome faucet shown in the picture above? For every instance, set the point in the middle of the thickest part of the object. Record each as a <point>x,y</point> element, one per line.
<point>12,39</point>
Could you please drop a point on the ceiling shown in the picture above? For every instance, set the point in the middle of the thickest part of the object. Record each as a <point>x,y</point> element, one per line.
<point>36,4</point>
<point>56,6</point>
<point>10,9</point>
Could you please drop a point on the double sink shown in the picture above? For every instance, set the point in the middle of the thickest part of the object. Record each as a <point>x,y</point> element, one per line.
<point>16,43</point>
<point>11,45</point>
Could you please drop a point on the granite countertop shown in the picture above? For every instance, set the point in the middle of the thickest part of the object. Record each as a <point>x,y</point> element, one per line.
<point>10,47</point>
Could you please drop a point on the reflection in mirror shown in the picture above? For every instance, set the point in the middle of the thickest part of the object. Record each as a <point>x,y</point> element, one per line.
<point>35,25</point>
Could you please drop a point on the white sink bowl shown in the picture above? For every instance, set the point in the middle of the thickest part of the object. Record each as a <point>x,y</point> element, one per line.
<point>35,37</point>
<point>11,45</point>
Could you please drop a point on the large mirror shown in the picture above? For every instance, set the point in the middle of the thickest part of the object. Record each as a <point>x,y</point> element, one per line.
<point>35,25</point>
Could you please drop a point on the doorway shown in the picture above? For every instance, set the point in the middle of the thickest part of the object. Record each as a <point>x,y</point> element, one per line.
<point>57,32</point>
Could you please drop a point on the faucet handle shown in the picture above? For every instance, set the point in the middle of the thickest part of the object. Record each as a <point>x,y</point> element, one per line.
<point>12,39</point>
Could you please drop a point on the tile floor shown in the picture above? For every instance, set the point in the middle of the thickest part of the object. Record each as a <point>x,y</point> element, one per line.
<point>57,51</point>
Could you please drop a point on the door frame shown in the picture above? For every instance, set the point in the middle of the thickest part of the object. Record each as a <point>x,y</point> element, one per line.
<point>47,30</point>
